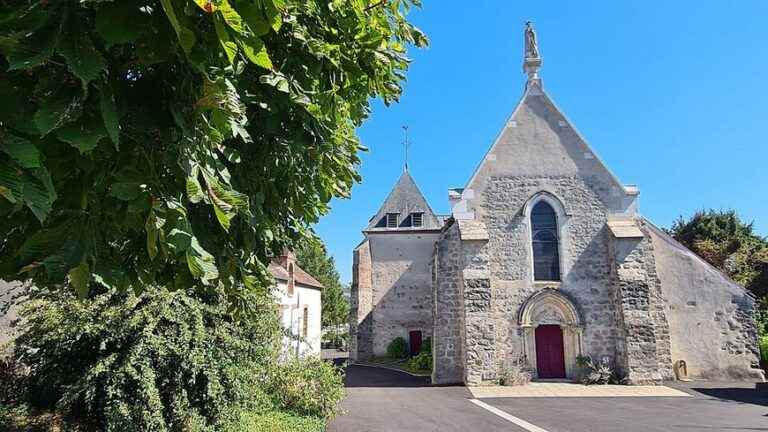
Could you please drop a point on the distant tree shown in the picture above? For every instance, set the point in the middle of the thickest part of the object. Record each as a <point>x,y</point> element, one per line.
<point>312,256</point>
<point>731,245</point>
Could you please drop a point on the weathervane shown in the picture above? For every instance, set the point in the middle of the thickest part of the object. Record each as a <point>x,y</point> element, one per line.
<point>406,144</point>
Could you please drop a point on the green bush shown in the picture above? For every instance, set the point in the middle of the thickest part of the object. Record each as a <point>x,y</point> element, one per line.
<point>421,361</point>
<point>764,348</point>
<point>307,387</point>
<point>153,362</point>
<point>273,421</point>
<point>426,347</point>
<point>397,349</point>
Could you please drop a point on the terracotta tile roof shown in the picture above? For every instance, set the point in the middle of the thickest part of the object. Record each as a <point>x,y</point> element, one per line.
<point>300,276</point>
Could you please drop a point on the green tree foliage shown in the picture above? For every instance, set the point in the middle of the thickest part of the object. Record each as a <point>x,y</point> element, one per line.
<point>313,257</point>
<point>166,361</point>
<point>398,348</point>
<point>180,143</point>
<point>732,246</point>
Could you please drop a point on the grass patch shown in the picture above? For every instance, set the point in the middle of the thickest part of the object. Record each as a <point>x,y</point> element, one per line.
<point>20,418</point>
<point>275,421</point>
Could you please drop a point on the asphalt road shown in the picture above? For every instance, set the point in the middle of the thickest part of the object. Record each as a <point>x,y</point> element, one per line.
<point>381,400</point>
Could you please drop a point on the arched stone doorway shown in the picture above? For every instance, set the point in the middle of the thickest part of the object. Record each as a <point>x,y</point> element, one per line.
<point>551,333</point>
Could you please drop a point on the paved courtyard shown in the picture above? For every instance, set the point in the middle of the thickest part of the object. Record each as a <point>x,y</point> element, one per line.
<point>380,400</point>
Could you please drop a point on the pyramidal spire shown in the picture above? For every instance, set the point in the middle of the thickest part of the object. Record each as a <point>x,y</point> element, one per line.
<point>532,59</point>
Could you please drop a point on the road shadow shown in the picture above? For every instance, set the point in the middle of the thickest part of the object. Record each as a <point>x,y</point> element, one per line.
<point>735,394</point>
<point>375,377</point>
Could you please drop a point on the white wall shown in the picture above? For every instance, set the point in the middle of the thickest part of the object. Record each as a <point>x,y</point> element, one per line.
<point>291,310</point>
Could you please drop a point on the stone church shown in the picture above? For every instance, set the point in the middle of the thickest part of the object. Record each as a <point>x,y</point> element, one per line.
<point>544,257</point>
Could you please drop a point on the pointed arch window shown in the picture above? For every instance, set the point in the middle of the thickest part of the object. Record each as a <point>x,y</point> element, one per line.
<point>546,257</point>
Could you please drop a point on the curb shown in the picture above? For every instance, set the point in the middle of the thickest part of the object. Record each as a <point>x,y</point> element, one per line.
<point>392,369</point>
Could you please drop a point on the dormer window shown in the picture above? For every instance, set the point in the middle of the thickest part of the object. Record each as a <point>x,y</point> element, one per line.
<point>417,219</point>
<point>392,220</point>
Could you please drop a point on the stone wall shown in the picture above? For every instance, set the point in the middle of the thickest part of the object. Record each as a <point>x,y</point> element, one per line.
<point>585,257</point>
<point>448,309</point>
<point>401,282</point>
<point>643,354</point>
<point>361,302</point>
<point>711,318</point>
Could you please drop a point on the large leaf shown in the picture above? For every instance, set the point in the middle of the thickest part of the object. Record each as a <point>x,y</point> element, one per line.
<point>57,110</point>
<point>201,264</point>
<point>231,17</point>
<point>30,49</point>
<point>255,51</point>
<point>186,37</point>
<point>254,15</point>
<point>83,59</point>
<point>84,135</point>
<point>126,191</point>
<point>227,202</point>
<point>230,47</point>
<point>11,185</point>
<point>153,227</point>
<point>120,22</point>
<point>194,189</point>
<point>109,114</point>
<point>80,279</point>
<point>39,194</point>
<point>21,150</point>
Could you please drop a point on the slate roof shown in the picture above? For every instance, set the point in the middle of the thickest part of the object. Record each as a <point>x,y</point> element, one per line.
<point>300,276</point>
<point>405,199</point>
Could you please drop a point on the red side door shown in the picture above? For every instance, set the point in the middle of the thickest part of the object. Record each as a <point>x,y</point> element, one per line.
<point>414,340</point>
<point>550,359</point>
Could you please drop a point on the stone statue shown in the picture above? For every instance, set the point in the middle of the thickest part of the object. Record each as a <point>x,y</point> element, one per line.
<point>531,46</point>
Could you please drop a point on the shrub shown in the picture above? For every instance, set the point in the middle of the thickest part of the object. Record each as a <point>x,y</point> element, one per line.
<point>307,387</point>
<point>397,349</point>
<point>149,362</point>
<point>592,372</point>
<point>13,377</point>
<point>273,421</point>
<point>426,347</point>
<point>515,372</point>
<point>421,361</point>
<point>764,348</point>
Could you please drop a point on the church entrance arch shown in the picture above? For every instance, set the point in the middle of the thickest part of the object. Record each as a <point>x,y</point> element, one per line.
<point>552,333</point>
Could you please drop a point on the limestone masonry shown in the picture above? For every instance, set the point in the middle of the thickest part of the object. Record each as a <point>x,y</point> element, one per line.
<point>544,258</point>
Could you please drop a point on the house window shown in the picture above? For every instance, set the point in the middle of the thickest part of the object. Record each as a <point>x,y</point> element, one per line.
<point>305,322</point>
<point>392,220</point>
<point>546,258</point>
<point>417,219</point>
<point>290,279</point>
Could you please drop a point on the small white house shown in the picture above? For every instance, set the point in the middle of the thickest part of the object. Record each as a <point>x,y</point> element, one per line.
<point>300,307</point>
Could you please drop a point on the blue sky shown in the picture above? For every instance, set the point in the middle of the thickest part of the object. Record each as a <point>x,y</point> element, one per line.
<point>671,95</point>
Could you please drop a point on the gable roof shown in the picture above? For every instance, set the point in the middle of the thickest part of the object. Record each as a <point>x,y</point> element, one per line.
<point>404,198</point>
<point>539,140</point>
<point>300,276</point>
<point>536,99</point>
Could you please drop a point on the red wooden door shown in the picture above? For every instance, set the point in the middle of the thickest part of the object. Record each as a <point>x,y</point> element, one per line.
<point>414,339</point>
<point>550,360</point>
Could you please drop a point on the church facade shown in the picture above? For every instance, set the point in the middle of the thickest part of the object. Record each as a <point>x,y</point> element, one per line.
<point>545,258</point>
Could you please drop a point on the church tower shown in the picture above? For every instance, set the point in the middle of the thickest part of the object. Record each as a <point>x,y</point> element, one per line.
<point>391,281</point>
